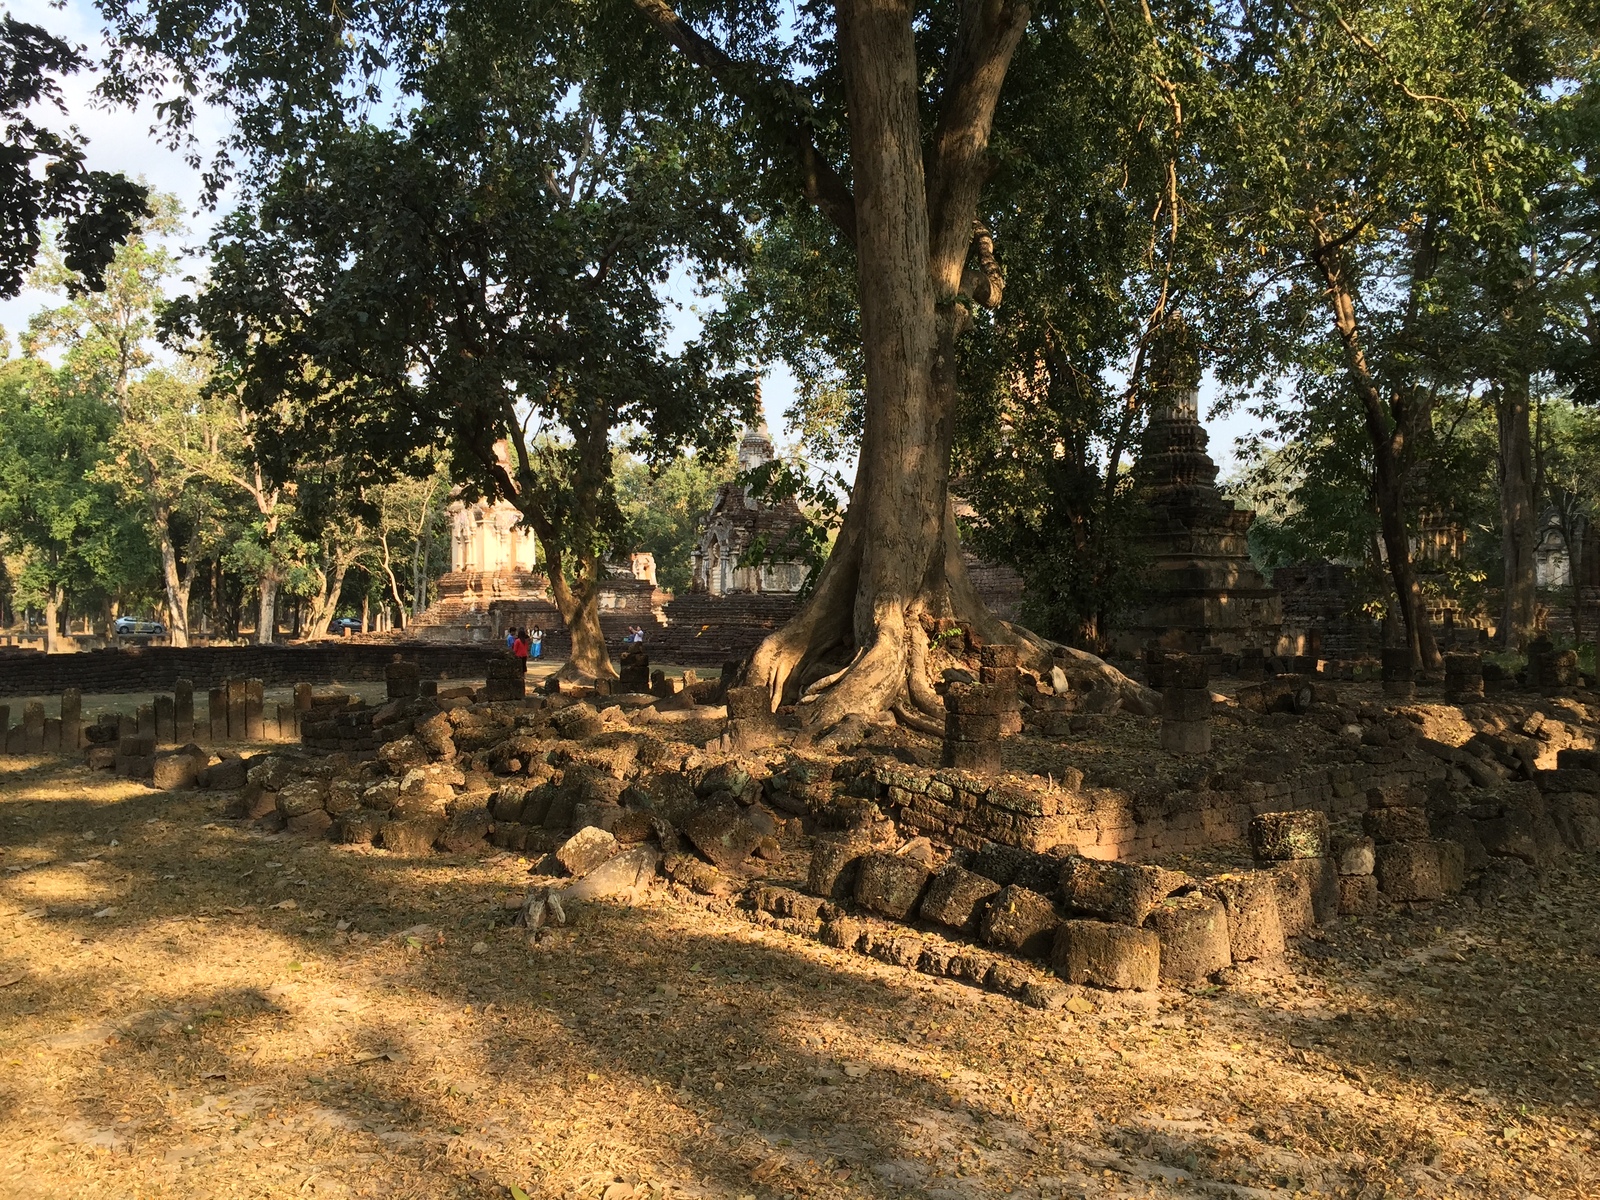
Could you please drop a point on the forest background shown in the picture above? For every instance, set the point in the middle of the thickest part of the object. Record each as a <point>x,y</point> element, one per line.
<point>1386,245</point>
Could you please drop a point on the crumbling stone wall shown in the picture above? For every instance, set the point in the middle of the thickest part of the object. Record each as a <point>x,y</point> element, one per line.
<point>158,668</point>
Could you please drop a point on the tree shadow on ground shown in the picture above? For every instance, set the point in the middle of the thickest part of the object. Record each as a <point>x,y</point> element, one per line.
<point>654,1041</point>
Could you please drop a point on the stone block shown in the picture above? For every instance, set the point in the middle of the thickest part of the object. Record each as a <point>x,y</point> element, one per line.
<point>505,679</point>
<point>1186,737</point>
<point>623,872</point>
<point>1012,864</point>
<point>413,836</point>
<point>183,710</point>
<point>174,769</point>
<point>466,829</point>
<point>344,796</point>
<point>1019,921</point>
<point>1115,891</point>
<point>1452,866</point>
<point>890,884</point>
<point>1353,855</point>
<point>1281,836</point>
<point>217,715</point>
<point>955,898</point>
<point>401,680</point>
<point>1193,929</point>
<point>1255,929</point>
<point>1107,955</point>
<point>973,727</point>
<point>1386,825</point>
<point>315,823</point>
<point>361,827</point>
<point>1358,895</point>
<point>52,735</point>
<point>1186,704</point>
<point>835,860</point>
<point>979,699</point>
<point>301,796</point>
<point>1296,912</point>
<point>101,758</point>
<point>224,775</point>
<point>1322,882</point>
<point>1412,871</point>
<point>722,834</point>
<point>255,723</point>
<point>982,757</point>
<point>997,655</point>
<point>166,720</point>
<point>750,702</point>
<point>238,713</point>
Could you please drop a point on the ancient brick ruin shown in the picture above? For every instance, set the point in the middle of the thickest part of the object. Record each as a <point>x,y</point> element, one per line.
<point>1201,589</point>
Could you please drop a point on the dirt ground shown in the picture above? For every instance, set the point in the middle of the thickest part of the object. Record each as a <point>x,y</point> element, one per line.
<point>191,1008</point>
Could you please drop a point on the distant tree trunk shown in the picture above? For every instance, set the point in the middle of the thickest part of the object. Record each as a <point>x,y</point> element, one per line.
<point>326,606</point>
<point>1387,437</point>
<point>177,587</point>
<point>267,610</point>
<point>419,581</point>
<point>1518,512</point>
<point>55,600</point>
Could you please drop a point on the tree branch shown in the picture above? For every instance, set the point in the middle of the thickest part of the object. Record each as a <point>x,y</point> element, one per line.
<point>990,31</point>
<point>776,103</point>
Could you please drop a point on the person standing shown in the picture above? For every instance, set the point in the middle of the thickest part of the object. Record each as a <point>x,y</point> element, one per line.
<point>519,647</point>
<point>511,638</point>
<point>536,643</point>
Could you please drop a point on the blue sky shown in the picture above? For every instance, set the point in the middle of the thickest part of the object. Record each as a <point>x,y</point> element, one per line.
<point>120,140</point>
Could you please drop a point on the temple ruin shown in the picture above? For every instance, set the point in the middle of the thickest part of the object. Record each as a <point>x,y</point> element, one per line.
<point>1202,591</point>
<point>739,521</point>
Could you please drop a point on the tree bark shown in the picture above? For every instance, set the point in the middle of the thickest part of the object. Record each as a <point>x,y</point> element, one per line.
<point>1518,515</point>
<point>1388,443</point>
<point>267,610</point>
<point>896,561</point>
<point>54,600</point>
<point>579,605</point>
<point>327,600</point>
<point>177,589</point>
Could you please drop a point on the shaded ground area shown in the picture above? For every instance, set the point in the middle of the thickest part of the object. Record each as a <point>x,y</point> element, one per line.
<point>191,1008</point>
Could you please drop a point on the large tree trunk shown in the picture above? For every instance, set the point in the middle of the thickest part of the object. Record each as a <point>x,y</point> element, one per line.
<point>1518,518</point>
<point>579,605</point>
<point>895,564</point>
<point>267,610</point>
<point>1387,440</point>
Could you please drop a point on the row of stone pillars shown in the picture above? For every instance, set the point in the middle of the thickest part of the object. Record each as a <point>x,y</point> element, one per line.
<point>235,711</point>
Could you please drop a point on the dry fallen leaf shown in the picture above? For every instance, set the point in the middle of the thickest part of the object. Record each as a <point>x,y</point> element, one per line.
<point>856,1070</point>
<point>286,904</point>
<point>8,980</point>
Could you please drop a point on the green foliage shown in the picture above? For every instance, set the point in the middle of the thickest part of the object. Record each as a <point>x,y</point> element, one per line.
<point>70,529</point>
<point>487,270</point>
<point>662,508</point>
<point>44,175</point>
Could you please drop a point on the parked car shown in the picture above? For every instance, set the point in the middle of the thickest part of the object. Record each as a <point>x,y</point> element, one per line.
<point>340,624</point>
<point>134,627</point>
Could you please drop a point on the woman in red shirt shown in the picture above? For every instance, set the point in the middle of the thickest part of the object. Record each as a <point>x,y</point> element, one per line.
<point>519,647</point>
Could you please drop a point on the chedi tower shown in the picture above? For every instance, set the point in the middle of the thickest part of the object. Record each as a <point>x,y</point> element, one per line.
<point>1202,591</point>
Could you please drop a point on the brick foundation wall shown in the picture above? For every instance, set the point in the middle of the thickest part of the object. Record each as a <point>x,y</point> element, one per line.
<point>961,809</point>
